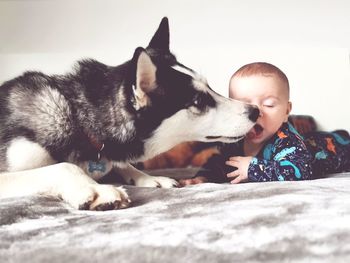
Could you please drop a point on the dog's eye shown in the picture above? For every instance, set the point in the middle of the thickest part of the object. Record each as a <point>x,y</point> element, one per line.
<point>196,102</point>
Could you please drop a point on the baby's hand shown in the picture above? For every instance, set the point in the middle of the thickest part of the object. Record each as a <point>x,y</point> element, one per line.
<point>242,164</point>
<point>194,180</point>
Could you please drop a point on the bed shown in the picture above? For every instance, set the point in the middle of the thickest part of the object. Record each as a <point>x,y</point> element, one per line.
<point>307,221</point>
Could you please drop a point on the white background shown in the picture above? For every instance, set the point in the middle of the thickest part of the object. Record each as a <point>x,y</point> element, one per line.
<point>308,40</point>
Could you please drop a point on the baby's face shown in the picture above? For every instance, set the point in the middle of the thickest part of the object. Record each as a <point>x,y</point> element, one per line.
<point>270,95</point>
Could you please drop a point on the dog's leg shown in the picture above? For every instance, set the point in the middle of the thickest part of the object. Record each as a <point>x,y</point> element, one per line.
<point>66,181</point>
<point>31,170</point>
<point>134,176</point>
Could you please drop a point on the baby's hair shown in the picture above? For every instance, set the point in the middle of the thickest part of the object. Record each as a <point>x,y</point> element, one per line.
<point>262,68</point>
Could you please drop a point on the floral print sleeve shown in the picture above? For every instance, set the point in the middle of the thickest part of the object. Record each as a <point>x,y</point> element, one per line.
<point>284,158</point>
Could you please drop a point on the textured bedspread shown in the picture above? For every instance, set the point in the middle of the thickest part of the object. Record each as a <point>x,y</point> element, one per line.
<point>257,222</point>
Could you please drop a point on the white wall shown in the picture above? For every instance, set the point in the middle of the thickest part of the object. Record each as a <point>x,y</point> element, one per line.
<point>308,40</point>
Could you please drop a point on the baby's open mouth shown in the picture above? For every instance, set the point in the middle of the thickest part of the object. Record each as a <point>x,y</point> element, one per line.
<point>256,131</point>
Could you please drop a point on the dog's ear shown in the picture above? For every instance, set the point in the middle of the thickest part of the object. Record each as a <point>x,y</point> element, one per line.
<point>145,77</point>
<point>160,40</point>
<point>145,73</point>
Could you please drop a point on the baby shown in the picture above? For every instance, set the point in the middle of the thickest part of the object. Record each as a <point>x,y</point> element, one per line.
<point>272,150</point>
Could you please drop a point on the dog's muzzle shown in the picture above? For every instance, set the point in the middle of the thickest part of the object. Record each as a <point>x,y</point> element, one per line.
<point>226,138</point>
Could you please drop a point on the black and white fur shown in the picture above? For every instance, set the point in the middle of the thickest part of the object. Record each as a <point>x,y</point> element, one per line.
<point>53,127</point>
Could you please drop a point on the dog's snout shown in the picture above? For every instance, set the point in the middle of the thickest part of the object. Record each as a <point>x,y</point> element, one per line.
<point>253,113</point>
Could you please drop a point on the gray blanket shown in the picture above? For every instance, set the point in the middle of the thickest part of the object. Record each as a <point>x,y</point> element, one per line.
<point>305,221</point>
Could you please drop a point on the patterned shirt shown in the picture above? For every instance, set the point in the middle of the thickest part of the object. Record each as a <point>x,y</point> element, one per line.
<point>286,156</point>
<point>330,152</point>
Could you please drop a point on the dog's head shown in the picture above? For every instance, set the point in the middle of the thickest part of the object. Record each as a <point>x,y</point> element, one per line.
<point>175,104</point>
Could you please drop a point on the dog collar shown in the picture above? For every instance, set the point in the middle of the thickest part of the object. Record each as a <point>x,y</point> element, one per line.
<point>99,146</point>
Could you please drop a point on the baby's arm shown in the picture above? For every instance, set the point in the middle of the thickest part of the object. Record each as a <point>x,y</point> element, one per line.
<point>290,161</point>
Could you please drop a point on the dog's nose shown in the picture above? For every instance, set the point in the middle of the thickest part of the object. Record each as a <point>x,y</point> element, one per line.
<point>253,113</point>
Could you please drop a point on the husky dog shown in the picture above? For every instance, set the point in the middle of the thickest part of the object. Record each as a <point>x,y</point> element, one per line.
<point>58,134</point>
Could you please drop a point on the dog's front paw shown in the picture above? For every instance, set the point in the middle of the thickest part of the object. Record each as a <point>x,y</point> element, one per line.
<point>110,197</point>
<point>156,181</point>
<point>97,197</point>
